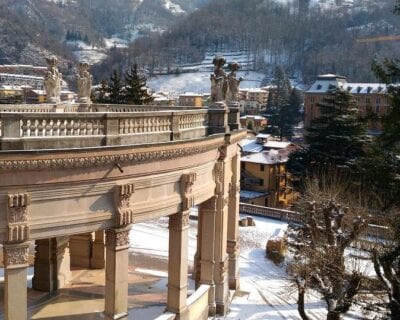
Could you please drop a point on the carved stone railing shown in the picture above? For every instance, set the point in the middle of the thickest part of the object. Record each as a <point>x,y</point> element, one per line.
<point>372,231</point>
<point>75,107</point>
<point>49,130</point>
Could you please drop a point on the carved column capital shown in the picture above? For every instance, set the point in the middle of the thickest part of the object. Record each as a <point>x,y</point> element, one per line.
<point>17,217</point>
<point>15,256</point>
<point>123,195</point>
<point>117,239</point>
<point>179,221</point>
<point>187,182</point>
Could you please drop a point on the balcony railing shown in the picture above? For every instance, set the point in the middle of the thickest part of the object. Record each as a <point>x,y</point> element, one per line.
<point>32,127</point>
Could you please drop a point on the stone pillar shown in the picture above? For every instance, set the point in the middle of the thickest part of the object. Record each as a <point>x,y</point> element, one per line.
<point>218,118</point>
<point>116,288</point>
<point>234,116</point>
<point>81,250</point>
<point>52,264</point>
<point>178,264</point>
<point>221,227</point>
<point>197,256</point>
<point>15,284</point>
<point>15,256</point>
<point>97,260</point>
<point>207,211</point>
<point>233,229</point>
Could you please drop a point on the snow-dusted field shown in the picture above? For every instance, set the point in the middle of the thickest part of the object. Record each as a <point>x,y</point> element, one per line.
<point>266,291</point>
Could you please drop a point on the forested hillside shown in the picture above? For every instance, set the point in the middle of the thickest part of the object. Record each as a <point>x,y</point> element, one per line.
<point>30,30</point>
<point>306,39</point>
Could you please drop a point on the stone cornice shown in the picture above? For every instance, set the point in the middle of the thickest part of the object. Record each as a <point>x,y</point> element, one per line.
<point>100,158</point>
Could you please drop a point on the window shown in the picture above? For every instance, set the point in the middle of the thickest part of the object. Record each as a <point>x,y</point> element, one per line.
<point>261,182</point>
<point>243,165</point>
<point>262,167</point>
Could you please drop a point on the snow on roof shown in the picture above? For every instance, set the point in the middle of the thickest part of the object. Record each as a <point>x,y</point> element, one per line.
<point>263,136</point>
<point>247,194</point>
<point>266,157</point>
<point>253,117</point>
<point>277,144</point>
<point>190,94</point>
<point>327,81</point>
<point>250,146</point>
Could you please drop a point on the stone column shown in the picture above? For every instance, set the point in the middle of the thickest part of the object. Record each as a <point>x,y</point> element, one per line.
<point>197,256</point>
<point>116,288</point>
<point>233,229</point>
<point>117,258</point>
<point>207,211</point>
<point>52,264</point>
<point>221,227</point>
<point>178,264</point>
<point>15,284</point>
<point>15,256</point>
<point>97,260</point>
<point>81,250</point>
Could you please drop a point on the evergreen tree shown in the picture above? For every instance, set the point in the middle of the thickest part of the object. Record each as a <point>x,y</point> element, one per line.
<point>136,91</point>
<point>115,88</point>
<point>283,106</point>
<point>102,92</point>
<point>335,139</point>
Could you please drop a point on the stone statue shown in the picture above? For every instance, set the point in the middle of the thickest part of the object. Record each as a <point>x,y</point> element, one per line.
<point>52,81</point>
<point>218,80</point>
<point>233,83</point>
<point>85,80</point>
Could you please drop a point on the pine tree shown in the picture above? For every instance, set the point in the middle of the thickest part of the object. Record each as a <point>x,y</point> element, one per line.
<point>115,88</point>
<point>102,92</point>
<point>135,90</point>
<point>283,106</point>
<point>335,139</point>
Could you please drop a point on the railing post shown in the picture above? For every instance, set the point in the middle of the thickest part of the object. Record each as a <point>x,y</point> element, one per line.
<point>111,130</point>
<point>175,134</point>
<point>218,118</point>
<point>10,129</point>
<point>234,116</point>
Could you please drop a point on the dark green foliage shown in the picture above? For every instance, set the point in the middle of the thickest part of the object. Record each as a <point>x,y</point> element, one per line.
<point>335,139</point>
<point>103,92</point>
<point>115,88</point>
<point>283,106</point>
<point>135,89</point>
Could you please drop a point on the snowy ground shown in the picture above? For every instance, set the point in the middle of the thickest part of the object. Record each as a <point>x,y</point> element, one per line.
<point>266,291</point>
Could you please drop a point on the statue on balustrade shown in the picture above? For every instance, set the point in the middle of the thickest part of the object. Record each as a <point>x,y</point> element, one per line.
<point>52,81</point>
<point>84,79</point>
<point>218,80</point>
<point>233,83</point>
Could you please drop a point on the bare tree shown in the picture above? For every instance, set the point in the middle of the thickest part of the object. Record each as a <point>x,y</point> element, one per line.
<point>329,228</point>
<point>386,259</point>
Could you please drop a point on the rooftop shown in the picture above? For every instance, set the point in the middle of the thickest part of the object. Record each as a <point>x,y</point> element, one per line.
<point>266,157</point>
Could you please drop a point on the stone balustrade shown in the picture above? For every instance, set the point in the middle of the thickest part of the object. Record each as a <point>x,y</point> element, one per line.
<point>50,130</point>
<point>372,231</point>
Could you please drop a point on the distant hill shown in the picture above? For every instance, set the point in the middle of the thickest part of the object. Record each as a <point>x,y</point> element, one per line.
<point>30,30</point>
<point>307,37</point>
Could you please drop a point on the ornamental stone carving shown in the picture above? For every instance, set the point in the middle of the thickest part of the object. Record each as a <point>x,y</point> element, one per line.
<point>117,238</point>
<point>84,81</point>
<point>15,256</point>
<point>52,81</point>
<point>233,83</point>
<point>219,178</point>
<point>17,217</point>
<point>123,204</point>
<point>179,221</point>
<point>92,161</point>
<point>218,80</point>
<point>234,189</point>
<point>187,182</point>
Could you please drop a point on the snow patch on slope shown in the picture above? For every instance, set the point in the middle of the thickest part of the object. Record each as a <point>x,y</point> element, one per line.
<point>173,7</point>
